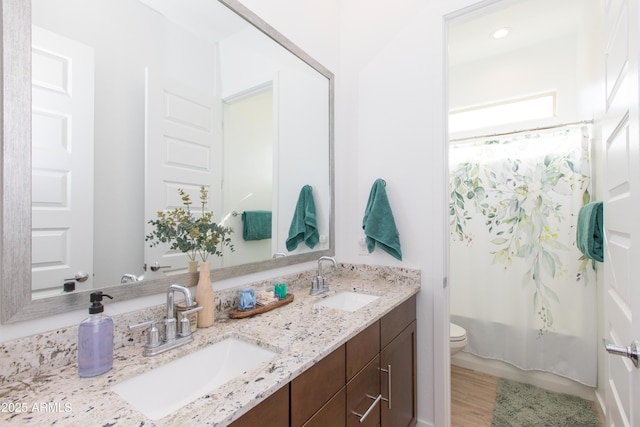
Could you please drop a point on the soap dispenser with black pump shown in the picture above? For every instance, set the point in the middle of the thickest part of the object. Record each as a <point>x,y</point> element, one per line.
<point>95,339</point>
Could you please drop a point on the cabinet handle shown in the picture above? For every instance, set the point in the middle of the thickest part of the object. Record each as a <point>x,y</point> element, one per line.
<point>388,371</point>
<point>368,411</point>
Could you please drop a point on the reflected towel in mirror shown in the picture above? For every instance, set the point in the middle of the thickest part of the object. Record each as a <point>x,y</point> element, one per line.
<point>304,225</point>
<point>256,225</point>
<point>378,223</point>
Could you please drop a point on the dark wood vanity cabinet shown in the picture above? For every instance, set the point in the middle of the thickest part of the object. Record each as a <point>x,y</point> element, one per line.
<point>314,388</point>
<point>398,355</point>
<point>272,412</point>
<point>339,389</point>
<point>332,413</point>
<point>390,346</point>
<point>362,393</point>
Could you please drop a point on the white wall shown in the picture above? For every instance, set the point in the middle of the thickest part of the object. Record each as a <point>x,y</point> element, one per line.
<point>551,66</point>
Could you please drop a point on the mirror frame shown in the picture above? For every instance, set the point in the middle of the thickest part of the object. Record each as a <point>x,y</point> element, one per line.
<point>16,303</point>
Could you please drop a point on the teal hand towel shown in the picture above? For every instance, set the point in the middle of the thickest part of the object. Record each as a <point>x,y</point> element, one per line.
<point>256,225</point>
<point>590,232</point>
<point>378,223</point>
<point>304,225</point>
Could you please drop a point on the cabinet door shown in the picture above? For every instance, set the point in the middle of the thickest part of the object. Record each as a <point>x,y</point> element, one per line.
<point>315,387</point>
<point>362,392</point>
<point>400,355</point>
<point>362,348</point>
<point>397,320</point>
<point>273,411</point>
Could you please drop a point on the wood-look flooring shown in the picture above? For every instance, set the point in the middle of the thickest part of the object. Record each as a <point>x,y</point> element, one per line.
<point>473,395</point>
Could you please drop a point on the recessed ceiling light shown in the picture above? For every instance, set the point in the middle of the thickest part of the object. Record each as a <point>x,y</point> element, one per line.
<point>501,32</point>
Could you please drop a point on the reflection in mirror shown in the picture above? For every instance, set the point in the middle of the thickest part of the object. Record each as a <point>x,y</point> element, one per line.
<point>146,118</point>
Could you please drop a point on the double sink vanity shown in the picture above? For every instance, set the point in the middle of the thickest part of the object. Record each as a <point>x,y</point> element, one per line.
<point>345,357</point>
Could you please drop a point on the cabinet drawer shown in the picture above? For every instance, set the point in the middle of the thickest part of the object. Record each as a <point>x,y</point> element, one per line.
<point>395,321</point>
<point>362,348</point>
<point>273,411</point>
<point>313,388</point>
<point>362,391</point>
<point>331,414</point>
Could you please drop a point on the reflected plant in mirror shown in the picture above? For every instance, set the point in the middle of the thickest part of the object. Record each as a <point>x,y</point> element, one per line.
<point>195,235</point>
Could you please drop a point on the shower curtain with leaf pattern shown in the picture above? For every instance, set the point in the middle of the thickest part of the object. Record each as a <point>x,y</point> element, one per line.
<point>519,285</point>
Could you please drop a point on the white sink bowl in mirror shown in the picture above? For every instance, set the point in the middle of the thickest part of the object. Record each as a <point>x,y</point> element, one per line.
<point>162,391</point>
<point>348,301</point>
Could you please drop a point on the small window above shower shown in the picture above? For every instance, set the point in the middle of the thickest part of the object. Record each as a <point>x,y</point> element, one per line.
<point>535,107</point>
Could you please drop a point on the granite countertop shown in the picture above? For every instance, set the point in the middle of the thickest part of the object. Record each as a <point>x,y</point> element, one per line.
<point>302,333</point>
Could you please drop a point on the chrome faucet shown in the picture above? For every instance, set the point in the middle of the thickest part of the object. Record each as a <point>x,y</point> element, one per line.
<point>131,278</point>
<point>171,339</point>
<point>319,284</point>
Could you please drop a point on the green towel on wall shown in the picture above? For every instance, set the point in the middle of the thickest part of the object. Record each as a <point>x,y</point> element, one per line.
<point>256,225</point>
<point>378,223</point>
<point>590,234</point>
<point>304,225</point>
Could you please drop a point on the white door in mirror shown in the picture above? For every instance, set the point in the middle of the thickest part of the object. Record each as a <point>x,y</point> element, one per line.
<point>182,140</point>
<point>62,163</point>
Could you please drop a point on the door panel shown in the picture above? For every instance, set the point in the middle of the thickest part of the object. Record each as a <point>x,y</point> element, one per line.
<point>622,208</point>
<point>182,141</point>
<point>62,165</point>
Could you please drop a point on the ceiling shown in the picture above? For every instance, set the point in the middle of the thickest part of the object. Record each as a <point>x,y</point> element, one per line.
<point>531,22</point>
<point>210,20</point>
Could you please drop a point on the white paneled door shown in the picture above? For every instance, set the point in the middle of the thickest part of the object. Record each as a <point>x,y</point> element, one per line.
<point>622,209</point>
<point>62,168</point>
<point>183,147</point>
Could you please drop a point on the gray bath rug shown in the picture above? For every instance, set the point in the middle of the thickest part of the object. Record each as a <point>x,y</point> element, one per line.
<point>524,405</point>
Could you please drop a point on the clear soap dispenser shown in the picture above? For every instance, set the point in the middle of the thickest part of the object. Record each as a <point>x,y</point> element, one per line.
<point>95,339</point>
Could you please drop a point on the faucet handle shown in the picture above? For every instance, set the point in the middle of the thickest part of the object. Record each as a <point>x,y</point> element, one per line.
<point>153,335</point>
<point>315,283</point>
<point>185,324</point>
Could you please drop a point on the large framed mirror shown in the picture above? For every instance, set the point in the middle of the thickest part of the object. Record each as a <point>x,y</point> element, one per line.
<point>153,84</point>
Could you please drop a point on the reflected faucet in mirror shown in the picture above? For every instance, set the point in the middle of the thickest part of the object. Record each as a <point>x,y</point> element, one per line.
<point>131,278</point>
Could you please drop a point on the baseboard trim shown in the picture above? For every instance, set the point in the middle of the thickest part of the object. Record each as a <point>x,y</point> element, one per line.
<point>601,405</point>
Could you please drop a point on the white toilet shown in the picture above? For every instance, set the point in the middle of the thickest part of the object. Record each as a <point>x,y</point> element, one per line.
<point>457,338</point>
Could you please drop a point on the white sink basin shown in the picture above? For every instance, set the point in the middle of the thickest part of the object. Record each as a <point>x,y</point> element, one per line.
<point>161,391</point>
<point>348,301</point>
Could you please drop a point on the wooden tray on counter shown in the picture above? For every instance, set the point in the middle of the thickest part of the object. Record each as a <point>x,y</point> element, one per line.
<point>236,313</point>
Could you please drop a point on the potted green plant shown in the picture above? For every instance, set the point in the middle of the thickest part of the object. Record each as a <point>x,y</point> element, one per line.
<point>196,236</point>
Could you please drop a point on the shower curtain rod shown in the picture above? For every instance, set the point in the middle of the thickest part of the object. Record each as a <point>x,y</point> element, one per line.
<point>583,122</point>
